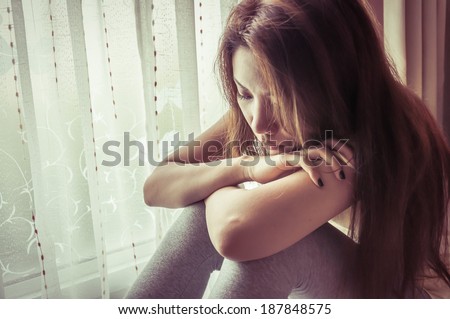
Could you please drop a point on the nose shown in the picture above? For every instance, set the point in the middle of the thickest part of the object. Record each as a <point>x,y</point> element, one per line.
<point>262,120</point>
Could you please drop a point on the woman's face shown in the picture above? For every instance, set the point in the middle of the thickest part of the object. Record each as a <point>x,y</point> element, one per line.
<point>255,103</point>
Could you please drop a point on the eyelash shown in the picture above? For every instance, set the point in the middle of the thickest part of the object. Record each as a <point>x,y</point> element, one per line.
<point>243,97</point>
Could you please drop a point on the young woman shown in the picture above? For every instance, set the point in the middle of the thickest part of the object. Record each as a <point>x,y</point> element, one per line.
<point>296,72</point>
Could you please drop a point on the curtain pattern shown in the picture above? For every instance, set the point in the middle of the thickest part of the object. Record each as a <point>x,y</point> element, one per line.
<point>92,95</point>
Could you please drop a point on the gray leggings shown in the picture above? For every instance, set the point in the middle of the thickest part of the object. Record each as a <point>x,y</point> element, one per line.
<point>319,266</point>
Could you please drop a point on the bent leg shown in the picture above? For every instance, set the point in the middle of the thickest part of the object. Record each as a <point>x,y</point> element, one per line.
<point>182,263</point>
<point>318,266</point>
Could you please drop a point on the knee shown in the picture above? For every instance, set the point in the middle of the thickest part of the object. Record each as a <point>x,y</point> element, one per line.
<point>194,213</point>
<point>195,209</point>
<point>251,279</point>
<point>190,223</point>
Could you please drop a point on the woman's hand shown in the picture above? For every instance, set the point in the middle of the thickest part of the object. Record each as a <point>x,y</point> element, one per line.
<point>328,158</point>
<point>256,223</point>
<point>265,169</point>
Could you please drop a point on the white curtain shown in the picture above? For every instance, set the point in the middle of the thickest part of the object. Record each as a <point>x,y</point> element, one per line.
<point>90,93</point>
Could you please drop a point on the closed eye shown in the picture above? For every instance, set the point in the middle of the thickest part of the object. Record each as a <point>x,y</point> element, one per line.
<point>244,96</point>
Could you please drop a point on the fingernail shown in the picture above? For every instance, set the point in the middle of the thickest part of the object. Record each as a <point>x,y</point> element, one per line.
<point>319,181</point>
<point>341,174</point>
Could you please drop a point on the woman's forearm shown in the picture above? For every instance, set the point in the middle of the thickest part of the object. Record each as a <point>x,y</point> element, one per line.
<point>175,184</point>
<point>252,224</point>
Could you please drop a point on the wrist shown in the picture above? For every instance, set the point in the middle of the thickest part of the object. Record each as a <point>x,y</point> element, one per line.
<point>244,166</point>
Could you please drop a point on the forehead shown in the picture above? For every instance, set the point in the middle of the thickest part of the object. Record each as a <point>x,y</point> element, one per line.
<point>245,70</point>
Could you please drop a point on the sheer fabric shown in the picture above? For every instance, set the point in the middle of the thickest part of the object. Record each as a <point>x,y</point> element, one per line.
<point>91,94</point>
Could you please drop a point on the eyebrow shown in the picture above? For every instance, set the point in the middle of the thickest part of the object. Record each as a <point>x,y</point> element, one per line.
<point>244,88</point>
<point>238,83</point>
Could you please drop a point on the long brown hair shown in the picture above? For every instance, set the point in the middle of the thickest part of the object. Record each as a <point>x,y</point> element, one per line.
<point>326,68</point>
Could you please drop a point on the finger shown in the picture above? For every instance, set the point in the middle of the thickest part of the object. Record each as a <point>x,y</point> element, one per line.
<point>331,161</point>
<point>342,150</point>
<point>314,175</point>
<point>345,160</point>
<point>288,162</point>
<point>311,159</point>
<point>324,157</point>
<point>299,160</point>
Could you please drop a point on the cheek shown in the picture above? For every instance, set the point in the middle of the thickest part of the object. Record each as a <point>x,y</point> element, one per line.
<point>246,113</point>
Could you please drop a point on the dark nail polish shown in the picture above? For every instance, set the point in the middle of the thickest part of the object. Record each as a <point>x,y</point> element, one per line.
<point>319,181</point>
<point>341,174</point>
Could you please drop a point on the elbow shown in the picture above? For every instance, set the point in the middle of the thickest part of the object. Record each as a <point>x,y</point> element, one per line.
<point>152,190</point>
<point>149,192</point>
<point>155,193</point>
<point>228,241</point>
<point>227,247</point>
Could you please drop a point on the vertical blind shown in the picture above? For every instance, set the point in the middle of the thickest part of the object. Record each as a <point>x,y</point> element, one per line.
<point>92,93</point>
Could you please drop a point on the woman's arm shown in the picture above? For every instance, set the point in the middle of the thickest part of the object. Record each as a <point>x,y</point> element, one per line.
<point>176,184</point>
<point>188,175</point>
<point>263,221</point>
